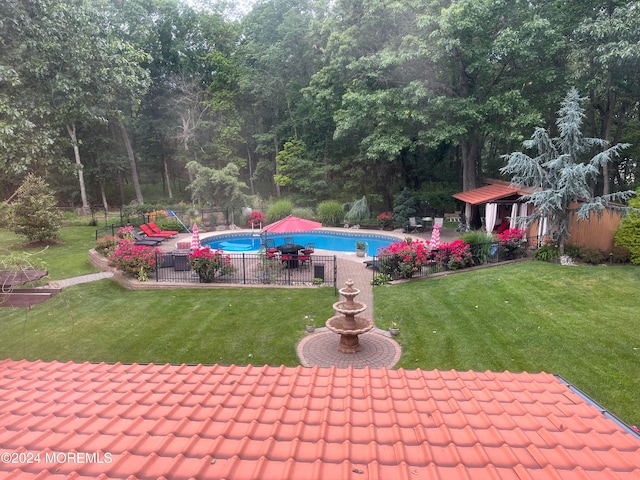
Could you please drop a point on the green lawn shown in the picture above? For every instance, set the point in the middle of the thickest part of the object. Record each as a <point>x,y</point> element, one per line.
<point>102,321</point>
<point>65,258</point>
<point>579,322</point>
<point>582,323</point>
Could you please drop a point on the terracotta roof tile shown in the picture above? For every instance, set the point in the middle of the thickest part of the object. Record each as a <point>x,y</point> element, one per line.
<point>195,421</point>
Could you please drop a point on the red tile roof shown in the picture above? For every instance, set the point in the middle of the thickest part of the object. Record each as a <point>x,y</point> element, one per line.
<point>221,422</point>
<point>486,194</point>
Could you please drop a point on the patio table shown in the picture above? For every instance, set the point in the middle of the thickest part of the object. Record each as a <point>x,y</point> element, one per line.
<point>289,254</point>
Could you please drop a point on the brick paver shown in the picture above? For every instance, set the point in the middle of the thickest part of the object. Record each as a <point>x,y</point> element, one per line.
<point>321,348</point>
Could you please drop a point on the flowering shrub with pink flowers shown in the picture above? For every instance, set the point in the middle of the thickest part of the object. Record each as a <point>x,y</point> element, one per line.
<point>512,242</point>
<point>454,255</point>
<point>126,232</point>
<point>256,219</point>
<point>385,219</point>
<point>135,260</point>
<point>209,264</point>
<point>404,259</point>
<point>106,245</point>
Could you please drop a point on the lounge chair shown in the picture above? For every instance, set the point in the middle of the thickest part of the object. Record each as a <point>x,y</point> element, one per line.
<point>146,241</point>
<point>150,233</point>
<point>374,264</point>
<point>156,229</point>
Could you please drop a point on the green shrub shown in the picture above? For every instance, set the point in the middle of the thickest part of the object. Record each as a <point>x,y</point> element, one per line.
<point>358,211</point>
<point>404,207</point>
<point>572,250</point>
<point>330,213</point>
<point>381,279</point>
<point>628,235</point>
<point>480,243</point>
<point>547,253</point>
<point>591,255</point>
<point>33,213</point>
<point>619,255</point>
<point>301,212</point>
<point>279,210</point>
<point>173,225</point>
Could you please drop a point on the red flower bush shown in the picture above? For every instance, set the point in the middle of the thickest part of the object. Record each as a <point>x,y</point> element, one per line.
<point>385,219</point>
<point>511,241</point>
<point>256,218</point>
<point>135,260</point>
<point>209,264</point>
<point>454,255</point>
<point>404,259</point>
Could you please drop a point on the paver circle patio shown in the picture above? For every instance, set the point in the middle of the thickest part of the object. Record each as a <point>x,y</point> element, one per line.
<point>321,349</point>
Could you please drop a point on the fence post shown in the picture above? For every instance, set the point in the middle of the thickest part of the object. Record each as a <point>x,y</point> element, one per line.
<point>335,275</point>
<point>244,269</point>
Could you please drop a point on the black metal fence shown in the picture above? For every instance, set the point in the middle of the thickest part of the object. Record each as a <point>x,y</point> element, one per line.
<point>481,254</point>
<point>251,269</point>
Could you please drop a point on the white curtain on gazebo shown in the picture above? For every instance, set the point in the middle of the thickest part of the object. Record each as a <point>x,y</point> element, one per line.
<point>490,216</point>
<point>513,220</point>
<point>542,229</point>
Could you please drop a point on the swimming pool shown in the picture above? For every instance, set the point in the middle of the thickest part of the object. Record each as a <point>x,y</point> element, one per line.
<point>324,240</point>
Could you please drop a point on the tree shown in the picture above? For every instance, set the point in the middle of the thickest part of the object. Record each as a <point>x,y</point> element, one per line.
<point>558,175</point>
<point>220,187</point>
<point>33,213</point>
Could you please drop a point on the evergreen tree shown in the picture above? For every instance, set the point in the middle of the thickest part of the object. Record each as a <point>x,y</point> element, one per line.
<point>562,171</point>
<point>33,214</point>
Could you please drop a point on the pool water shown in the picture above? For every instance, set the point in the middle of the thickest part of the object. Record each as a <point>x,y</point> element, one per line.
<point>324,240</point>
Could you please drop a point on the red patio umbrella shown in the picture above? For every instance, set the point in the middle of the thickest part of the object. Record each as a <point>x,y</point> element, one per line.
<point>291,224</point>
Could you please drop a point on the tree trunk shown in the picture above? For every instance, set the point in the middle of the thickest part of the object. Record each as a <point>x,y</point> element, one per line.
<point>132,160</point>
<point>607,121</point>
<point>121,185</point>
<point>71,129</point>
<point>104,199</point>
<point>275,184</point>
<point>469,152</point>
<point>166,176</point>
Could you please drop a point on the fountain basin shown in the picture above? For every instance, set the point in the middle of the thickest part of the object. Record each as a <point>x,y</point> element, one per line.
<point>349,308</point>
<point>343,326</point>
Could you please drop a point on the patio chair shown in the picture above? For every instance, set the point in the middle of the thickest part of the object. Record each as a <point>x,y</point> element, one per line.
<point>309,248</point>
<point>150,233</point>
<point>414,226</point>
<point>146,241</point>
<point>289,240</point>
<point>270,246</point>
<point>263,250</point>
<point>157,229</point>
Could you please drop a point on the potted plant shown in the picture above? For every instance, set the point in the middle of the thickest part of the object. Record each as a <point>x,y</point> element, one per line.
<point>394,328</point>
<point>361,248</point>
<point>310,322</point>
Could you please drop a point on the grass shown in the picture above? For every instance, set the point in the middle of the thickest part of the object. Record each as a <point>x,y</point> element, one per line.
<point>65,258</point>
<point>577,322</point>
<point>101,321</point>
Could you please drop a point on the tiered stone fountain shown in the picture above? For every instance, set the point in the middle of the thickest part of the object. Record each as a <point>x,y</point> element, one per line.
<point>349,324</point>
